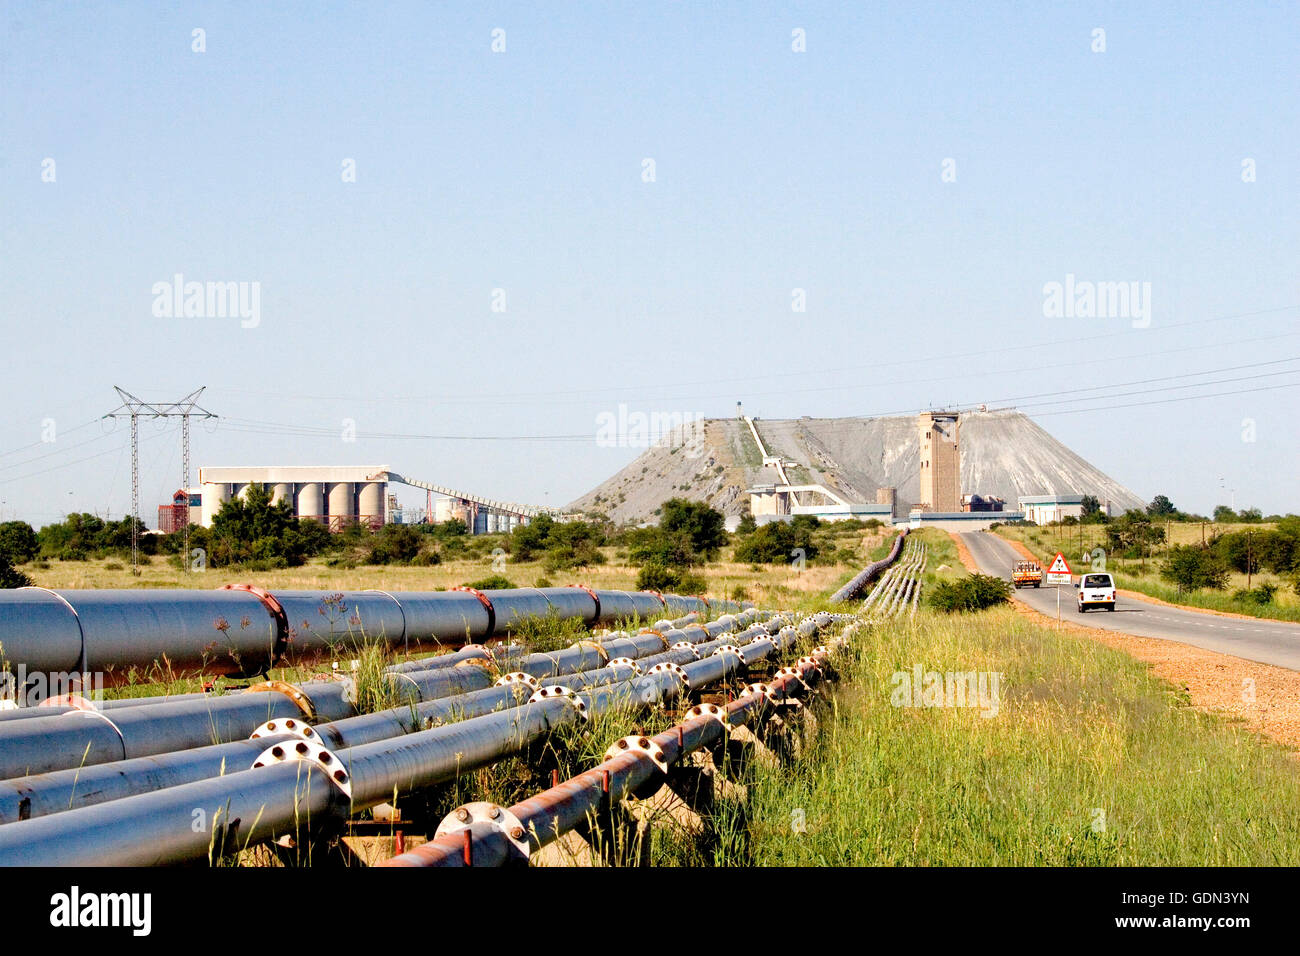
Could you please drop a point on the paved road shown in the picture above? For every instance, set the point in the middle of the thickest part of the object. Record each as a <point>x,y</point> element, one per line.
<point>1269,642</point>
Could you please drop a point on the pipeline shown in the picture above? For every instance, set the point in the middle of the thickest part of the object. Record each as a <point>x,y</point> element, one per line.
<point>301,786</point>
<point>83,738</point>
<point>244,629</point>
<point>868,574</point>
<point>485,835</point>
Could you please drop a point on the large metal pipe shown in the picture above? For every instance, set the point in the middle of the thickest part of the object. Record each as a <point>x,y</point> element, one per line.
<point>83,738</point>
<point>301,794</point>
<point>45,631</point>
<point>87,738</point>
<point>864,577</point>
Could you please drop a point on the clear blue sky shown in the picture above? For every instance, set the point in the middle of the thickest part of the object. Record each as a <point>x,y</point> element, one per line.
<point>522,171</point>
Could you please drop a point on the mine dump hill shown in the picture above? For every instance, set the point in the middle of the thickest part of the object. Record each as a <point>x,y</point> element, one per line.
<point>1004,453</point>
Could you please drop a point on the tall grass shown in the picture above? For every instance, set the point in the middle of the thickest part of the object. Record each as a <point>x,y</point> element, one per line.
<point>1089,760</point>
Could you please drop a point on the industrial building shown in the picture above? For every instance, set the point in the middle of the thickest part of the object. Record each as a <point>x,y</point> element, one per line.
<point>343,495</point>
<point>940,462</point>
<point>1044,509</point>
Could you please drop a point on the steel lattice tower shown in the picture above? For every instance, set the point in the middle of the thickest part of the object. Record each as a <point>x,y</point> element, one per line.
<point>134,408</point>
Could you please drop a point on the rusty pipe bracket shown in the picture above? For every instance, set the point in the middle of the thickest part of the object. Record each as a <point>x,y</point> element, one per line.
<point>626,662</point>
<point>295,694</point>
<point>487,603</point>
<point>676,669</point>
<point>591,594</point>
<point>552,691</point>
<point>312,753</point>
<point>657,633</point>
<point>273,607</point>
<point>594,646</point>
<point>686,646</point>
<point>517,677</point>
<point>498,818</point>
<point>286,726</point>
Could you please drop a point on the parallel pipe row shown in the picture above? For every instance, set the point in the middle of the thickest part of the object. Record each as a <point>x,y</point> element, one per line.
<point>901,584</point>
<point>83,738</point>
<point>245,629</point>
<point>486,835</point>
<point>301,788</point>
<point>868,574</point>
<point>54,792</point>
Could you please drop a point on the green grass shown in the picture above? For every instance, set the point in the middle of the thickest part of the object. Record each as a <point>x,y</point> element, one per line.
<point>1083,736</point>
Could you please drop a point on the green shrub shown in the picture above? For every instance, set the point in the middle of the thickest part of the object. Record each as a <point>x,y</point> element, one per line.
<point>494,583</point>
<point>660,577</point>
<point>973,593</point>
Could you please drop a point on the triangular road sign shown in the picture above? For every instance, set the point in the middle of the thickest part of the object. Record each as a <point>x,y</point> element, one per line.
<point>1059,565</point>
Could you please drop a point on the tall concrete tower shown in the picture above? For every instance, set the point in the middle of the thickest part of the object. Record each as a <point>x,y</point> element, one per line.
<point>940,461</point>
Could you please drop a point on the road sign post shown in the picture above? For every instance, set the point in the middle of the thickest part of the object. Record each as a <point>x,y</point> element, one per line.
<point>1059,573</point>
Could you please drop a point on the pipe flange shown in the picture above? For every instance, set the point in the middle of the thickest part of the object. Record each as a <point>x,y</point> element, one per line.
<point>686,646</point>
<point>552,691</point>
<point>758,690</point>
<point>662,625</point>
<point>626,662</point>
<point>640,745</point>
<point>517,677</point>
<point>286,725</point>
<point>712,711</point>
<point>498,818</point>
<point>670,668</point>
<point>312,753</point>
<point>792,672</point>
<point>294,693</point>
<point>816,665</point>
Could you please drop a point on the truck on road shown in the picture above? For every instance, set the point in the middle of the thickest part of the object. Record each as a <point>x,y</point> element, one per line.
<point>1027,574</point>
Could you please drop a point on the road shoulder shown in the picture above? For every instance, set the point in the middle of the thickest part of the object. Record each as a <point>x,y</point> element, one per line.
<point>1264,698</point>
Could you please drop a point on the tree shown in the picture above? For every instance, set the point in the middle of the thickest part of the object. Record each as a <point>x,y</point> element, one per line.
<point>250,527</point>
<point>1224,514</point>
<point>18,541</point>
<point>704,525</point>
<point>1161,507</point>
<point>1133,534</point>
<point>9,578</point>
<point>1090,510</point>
<point>1192,568</point>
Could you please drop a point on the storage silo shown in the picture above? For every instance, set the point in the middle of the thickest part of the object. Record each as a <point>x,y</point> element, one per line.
<point>214,494</point>
<point>341,502</point>
<point>282,491</point>
<point>371,503</point>
<point>311,502</point>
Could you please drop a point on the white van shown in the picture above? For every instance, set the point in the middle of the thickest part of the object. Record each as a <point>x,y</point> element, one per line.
<point>1096,590</point>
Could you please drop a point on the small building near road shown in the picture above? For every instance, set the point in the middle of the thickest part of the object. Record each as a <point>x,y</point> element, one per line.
<point>1044,509</point>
